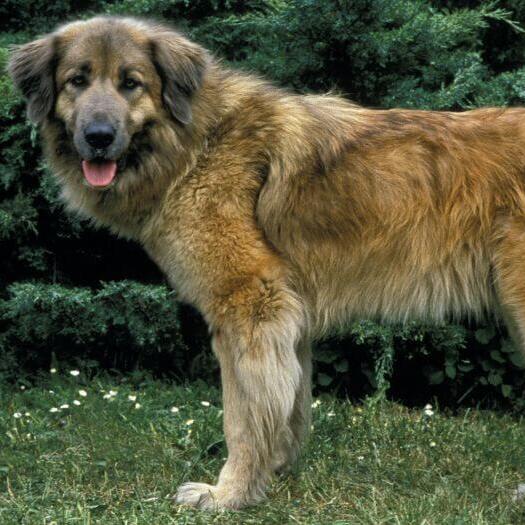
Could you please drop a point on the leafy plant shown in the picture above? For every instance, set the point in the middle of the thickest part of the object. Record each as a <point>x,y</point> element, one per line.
<point>439,54</point>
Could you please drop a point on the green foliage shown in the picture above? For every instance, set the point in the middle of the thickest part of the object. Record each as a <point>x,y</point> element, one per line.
<point>122,322</point>
<point>440,54</point>
<point>38,16</point>
<point>415,362</point>
<point>385,53</point>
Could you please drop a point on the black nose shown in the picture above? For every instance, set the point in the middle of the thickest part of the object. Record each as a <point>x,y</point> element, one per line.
<point>99,134</point>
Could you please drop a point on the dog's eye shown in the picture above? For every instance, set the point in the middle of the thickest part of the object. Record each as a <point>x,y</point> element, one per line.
<point>78,80</point>
<point>130,83</point>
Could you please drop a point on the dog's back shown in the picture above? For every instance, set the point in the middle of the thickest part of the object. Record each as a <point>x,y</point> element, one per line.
<point>403,214</point>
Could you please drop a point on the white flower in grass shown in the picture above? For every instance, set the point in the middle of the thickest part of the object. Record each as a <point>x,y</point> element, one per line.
<point>110,395</point>
<point>432,444</point>
<point>27,414</point>
<point>54,409</point>
<point>22,387</point>
<point>51,391</point>
<point>132,397</point>
<point>137,405</point>
<point>174,410</point>
<point>74,373</point>
<point>316,403</point>
<point>17,415</point>
<point>53,370</point>
<point>205,403</point>
<point>360,458</point>
<point>82,393</point>
<point>77,403</point>
<point>331,414</point>
<point>64,406</point>
<point>428,412</point>
<point>190,422</point>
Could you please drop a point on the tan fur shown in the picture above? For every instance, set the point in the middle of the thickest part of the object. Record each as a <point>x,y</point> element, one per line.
<point>282,217</point>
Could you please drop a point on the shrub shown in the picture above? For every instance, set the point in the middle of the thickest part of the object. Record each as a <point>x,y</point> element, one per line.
<point>124,323</point>
<point>440,54</point>
<point>415,362</point>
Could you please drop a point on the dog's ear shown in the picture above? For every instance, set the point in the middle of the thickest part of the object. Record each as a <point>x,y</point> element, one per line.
<point>31,68</point>
<point>181,64</point>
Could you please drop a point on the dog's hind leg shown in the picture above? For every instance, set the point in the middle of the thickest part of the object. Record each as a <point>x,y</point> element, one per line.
<point>509,266</point>
<point>256,344</point>
<point>510,278</point>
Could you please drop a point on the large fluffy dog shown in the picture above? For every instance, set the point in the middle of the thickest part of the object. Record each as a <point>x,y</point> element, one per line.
<point>278,216</point>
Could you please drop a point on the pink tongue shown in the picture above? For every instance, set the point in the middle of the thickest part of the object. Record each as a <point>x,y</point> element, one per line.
<point>99,173</point>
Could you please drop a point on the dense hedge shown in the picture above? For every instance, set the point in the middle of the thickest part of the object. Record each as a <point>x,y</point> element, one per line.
<point>72,293</point>
<point>119,323</point>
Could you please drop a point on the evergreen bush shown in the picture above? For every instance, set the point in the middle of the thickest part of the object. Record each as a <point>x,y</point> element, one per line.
<point>70,292</point>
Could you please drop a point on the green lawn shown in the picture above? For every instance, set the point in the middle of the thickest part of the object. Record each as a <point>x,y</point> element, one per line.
<point>108,460</point>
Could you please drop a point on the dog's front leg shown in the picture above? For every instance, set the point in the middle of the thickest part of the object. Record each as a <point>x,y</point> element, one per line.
<point>261,377</point>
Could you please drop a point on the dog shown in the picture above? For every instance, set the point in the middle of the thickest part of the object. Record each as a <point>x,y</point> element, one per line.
<point>279,216</point>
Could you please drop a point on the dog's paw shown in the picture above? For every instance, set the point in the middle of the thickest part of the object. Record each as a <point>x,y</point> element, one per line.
<point>198,495</point>
<point>213,497</point>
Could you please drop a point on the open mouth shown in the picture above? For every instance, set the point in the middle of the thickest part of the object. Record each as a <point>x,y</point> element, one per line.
<point>99,173</point>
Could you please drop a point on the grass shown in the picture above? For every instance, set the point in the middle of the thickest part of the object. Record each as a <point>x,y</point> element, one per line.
<point>110,461</point>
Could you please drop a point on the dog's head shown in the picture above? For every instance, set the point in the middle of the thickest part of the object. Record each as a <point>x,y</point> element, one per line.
<point>106,81</point>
